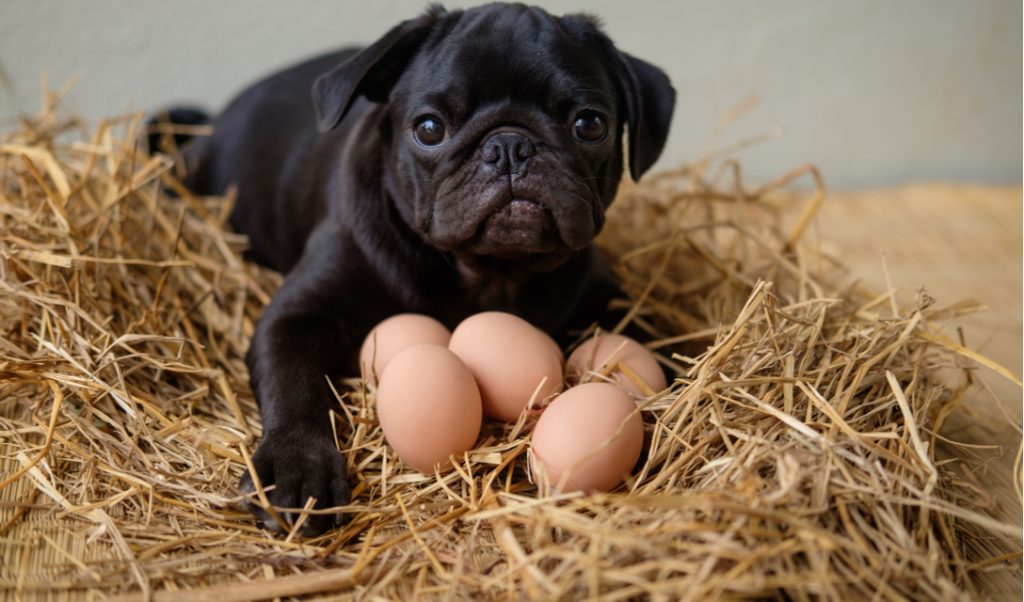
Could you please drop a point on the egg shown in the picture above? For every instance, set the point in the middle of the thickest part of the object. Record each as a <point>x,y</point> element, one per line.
<point>591,436</point>
<point>605,351</point>
<point>392,336</point>
<point>510,360</point>
<point>429,407</point>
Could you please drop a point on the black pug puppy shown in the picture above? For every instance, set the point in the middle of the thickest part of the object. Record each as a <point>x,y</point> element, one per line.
<point>461,163</point>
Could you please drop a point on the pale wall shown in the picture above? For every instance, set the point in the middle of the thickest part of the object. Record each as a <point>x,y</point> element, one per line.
<point>873,91</point>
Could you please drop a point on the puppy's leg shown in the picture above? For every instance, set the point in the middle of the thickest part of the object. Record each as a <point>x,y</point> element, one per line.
<point>299,341</point>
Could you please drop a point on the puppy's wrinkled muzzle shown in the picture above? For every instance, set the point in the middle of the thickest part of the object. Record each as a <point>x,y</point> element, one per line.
<point>521,226</point>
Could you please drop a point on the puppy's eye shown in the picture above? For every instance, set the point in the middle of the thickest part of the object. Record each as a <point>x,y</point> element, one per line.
<point>589,126</point>
<point>429,131</point>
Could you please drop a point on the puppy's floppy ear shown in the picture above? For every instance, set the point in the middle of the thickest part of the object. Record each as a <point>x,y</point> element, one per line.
<point>372,72</point>
<point>650,101</point>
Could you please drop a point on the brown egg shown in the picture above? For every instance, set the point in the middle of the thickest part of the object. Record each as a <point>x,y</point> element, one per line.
<point>394,335</point>
<point>429,407</point>
<point>510,359</point>
<point>603,352</point>
<point>590,436</point>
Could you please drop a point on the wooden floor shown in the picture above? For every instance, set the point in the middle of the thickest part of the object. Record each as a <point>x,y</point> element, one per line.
<point>956,242</point>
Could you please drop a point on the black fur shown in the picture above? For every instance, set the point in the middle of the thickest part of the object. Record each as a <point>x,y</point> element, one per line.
<point>368,223</point>
<point>156,135</point>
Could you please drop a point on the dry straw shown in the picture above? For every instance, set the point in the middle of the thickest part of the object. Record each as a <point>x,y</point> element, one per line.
<point>794,457</point>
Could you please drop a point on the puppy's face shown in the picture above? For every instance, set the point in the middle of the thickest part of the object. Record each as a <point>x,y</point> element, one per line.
<point>506,140</point>
<point>506,128</point>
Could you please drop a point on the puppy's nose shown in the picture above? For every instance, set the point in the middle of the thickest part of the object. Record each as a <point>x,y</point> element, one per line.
<point>508,151</point>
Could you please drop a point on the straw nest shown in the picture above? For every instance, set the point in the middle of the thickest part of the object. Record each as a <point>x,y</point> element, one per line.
<point>796,455</point>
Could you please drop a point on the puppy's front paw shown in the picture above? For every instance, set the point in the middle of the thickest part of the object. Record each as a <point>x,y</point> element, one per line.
<point>299,465</point>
